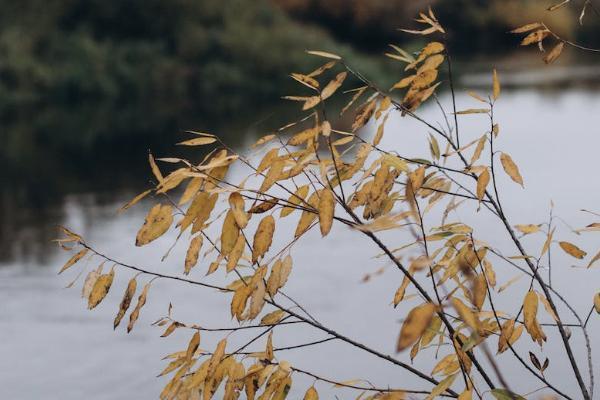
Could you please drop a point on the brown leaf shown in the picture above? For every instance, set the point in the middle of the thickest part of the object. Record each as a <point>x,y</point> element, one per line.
<point>554,53</point>
<point>572,250</point>
<point>125,302</point>
<point>136,311</point>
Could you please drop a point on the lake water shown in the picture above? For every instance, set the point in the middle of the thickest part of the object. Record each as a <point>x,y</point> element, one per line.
<point>53,348</point>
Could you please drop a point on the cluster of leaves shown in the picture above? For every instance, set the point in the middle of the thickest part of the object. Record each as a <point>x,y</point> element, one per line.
<point>537,32</point>
<point>327,175</point>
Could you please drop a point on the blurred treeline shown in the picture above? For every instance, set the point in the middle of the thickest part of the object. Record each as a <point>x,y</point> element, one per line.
<point>90,85</point>
<point>472,25</point>
<point>195,54</point>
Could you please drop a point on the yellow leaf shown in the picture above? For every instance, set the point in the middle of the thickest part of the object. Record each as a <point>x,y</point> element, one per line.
<point>136,311</point>
<point>191,257</point>
<point>528,228</point>
<point>100,289</point>
<point>272,318</point>
<point>530,308</point>
<point>414,325</point>
<point>466,395</point>
<point>535,37</point>
<point>263,237</point>
<point>482,182</point>
<point>548,242</point>
<point>279,275</point>
<point>572,250</point>
<point>324,54</point>
<point>478,149</point>
<point>326,211</point>
<point>216,357</point>
<point>192,346</point>
<point>554,53</point>
<point>155,171</point>
<point>269,350</point>
<point>257,299</point>
<point>272,176</point>
<point>125,302</point>
<point>511,168</point>
<point>311,394</point>
<point>548,307</point>
<point>262,207</point>
<point>135,200</point>
<point>495,85</point>
<point>527,28</point>
<point>236,253</point>
<point>404,82</point>
<point>307,217</point>
<point>73,260</point>
<point>509,335</point>
<point>466,314</point>
<point>267,160</point>
<point>295,199</point>
<point>171,328</point>
<point>479,291</point>
<point>89,282</point>
<point>593,260</point>
<point>157,222</point>
<point>473,111</point>
<point>327,91</point>
<point>236,202</point>
<point>597,302</point>
<point>229,233</point>
<point>198,141</point>
<point>441,387</point>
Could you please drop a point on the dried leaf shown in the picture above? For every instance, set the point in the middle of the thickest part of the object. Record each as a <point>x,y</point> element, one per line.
<point>191,257</point>
<point>157,222</point>
<point>295,199</point>
<point>272,318</point>
<point>572,250</point>
<point>326,211</point>
<point>229,233</point>
<point>530,308</point>
<point>441,387</point>
<point>554,53</point>
<point>236,202</point>
<point>324,54</point>
<point>198,141</point>
<point>136,311</point>
<point>263,237</point>
<point>482,182</point>
<point>311,394</point>
<point>125,302</point>
<point>73,260</point>
<point>511,168</point>
<point>495,85</point>
<point>100,289</point>
<point>416,322</point>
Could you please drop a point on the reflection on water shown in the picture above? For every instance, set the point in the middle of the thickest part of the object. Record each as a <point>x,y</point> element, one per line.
<point>62,349</point>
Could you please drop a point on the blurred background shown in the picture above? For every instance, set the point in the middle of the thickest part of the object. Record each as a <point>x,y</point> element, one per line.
<point>87,88</point>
